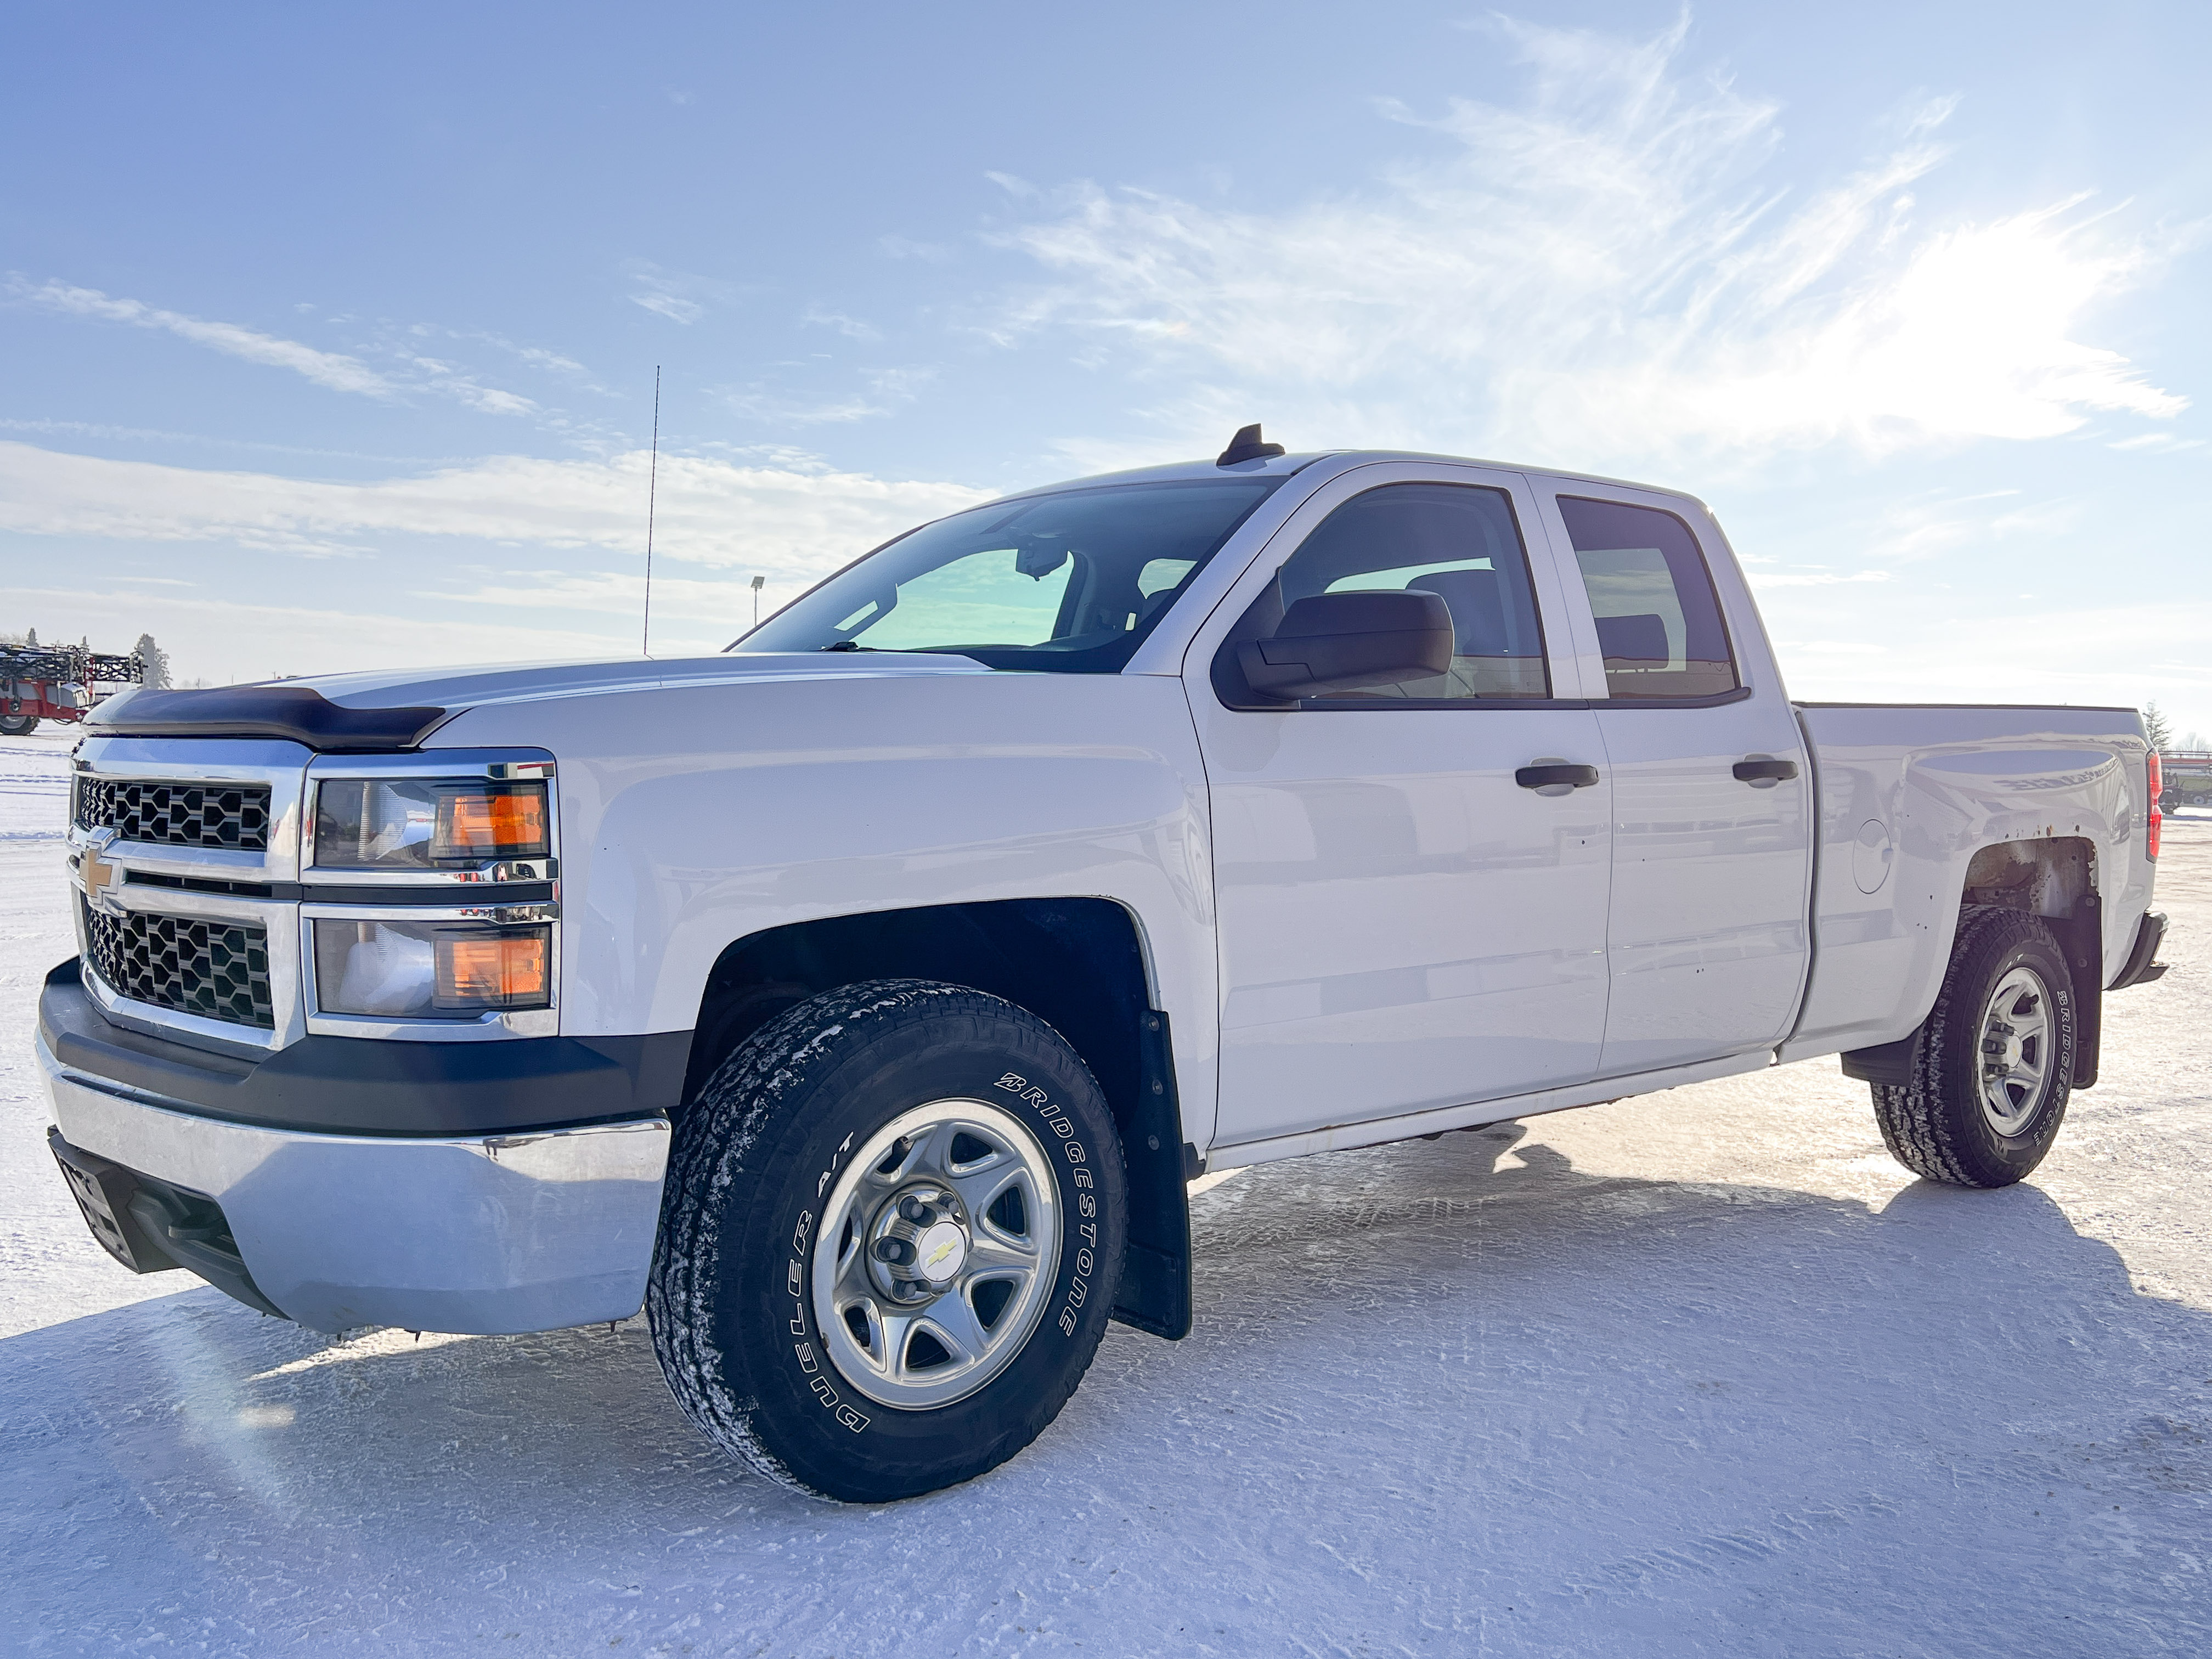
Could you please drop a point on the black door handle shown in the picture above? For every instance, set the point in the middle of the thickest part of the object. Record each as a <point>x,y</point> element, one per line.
<point>1539,777</point>
<point>1755,771</point>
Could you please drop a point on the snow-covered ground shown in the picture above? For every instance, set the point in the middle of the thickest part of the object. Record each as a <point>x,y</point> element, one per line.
<point>1703,1373</point>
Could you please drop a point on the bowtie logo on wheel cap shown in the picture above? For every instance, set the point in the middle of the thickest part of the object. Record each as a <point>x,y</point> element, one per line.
<point>941,1252</point>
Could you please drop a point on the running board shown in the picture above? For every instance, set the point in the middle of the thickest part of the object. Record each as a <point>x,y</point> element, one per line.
<point>1600,1092</point>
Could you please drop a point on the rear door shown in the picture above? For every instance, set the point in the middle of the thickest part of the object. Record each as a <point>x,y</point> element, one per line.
<point>1708,942</point>
<point>1401,924</point>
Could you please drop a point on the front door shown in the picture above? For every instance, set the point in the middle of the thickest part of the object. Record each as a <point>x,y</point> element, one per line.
<point>1403,925</point>
<point>1711,843</point>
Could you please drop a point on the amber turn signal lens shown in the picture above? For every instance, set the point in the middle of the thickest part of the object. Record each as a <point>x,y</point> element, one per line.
<point>492,822</point>
<point>494,971</point>
<point>2157,814</point>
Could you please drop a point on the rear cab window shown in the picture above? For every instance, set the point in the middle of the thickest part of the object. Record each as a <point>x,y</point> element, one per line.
<point>1659,624</point>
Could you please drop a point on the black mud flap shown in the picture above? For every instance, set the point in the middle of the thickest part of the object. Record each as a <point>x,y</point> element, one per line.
<point>1155,1293</point>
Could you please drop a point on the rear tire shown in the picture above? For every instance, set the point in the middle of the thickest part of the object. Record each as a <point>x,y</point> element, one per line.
<point>1993,1063</point>
<point>18,726</point>
<point>890,1240</point>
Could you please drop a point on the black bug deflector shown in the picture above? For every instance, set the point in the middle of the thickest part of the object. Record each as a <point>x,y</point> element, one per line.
<point>297,712</point>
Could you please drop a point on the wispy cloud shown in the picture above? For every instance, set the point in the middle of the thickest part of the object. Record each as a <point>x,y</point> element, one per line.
<point>328,368</point>
<point>1999,651</point>
<point>906,247</point>
<point>1603,272</point>
<point>401,369</point>
<point>108,432</point>
<point>1812,578</point>
<point>787,522</point>
<point>458,384</point>
<point>228,639</point>
<point>887,390</point>
<point>851,327</point>
<point>1925,526</point>
<point>680,296</point>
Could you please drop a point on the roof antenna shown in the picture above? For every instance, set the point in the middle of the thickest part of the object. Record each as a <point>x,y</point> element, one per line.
<point>1246,447</point>
<point>651,492</point>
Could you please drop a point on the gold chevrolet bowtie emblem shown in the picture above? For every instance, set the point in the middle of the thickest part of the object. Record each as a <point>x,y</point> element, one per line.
<point>98,874</point>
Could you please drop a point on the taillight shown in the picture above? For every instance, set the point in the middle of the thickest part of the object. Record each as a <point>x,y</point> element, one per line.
<point>2157,788</point>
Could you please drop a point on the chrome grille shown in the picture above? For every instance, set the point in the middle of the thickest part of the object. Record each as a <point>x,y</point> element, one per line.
<point>177,814</point>
<point>216,970</point>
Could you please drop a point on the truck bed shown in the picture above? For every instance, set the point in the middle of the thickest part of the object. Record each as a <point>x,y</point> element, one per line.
<point>1907,793</point>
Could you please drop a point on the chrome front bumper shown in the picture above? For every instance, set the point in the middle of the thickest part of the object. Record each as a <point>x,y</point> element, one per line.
<point>480,1236</point>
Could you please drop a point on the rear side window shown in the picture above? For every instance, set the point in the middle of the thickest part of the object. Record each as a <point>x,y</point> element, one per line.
<point>1458,541</point>
<point>1659,622</point>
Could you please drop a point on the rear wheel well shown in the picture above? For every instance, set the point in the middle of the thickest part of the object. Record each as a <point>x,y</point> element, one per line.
<point>2055,877</point>
<point>1076,964</point>
<point>2049,877</point>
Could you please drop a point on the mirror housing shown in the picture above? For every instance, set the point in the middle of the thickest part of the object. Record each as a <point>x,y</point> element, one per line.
<point>1345,641</point>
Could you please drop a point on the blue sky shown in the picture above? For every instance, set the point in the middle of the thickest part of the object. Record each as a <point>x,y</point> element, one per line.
<point>327,339</point>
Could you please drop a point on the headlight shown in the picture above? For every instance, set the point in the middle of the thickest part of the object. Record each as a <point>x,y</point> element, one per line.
<point>431,969</point>
<point>428,824</point>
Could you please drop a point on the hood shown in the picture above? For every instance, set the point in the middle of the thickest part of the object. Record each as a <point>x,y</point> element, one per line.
<point>397,710</point>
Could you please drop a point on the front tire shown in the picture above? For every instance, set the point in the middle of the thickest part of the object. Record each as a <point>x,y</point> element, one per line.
<point>890,1241</point>
<point>1993,1064</point>
<point>18,726</point>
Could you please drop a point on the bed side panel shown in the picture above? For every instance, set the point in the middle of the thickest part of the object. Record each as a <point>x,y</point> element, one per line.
<point>1908,793</point>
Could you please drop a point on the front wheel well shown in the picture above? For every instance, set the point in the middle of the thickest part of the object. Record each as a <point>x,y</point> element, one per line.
<point>1076,964</point>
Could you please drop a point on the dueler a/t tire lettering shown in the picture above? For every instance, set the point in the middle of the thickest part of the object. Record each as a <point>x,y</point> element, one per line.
<point>735,1320</point>
<point>1936,1124</point>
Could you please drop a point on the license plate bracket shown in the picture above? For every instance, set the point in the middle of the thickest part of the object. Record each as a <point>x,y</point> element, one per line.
<point>103,1192</point>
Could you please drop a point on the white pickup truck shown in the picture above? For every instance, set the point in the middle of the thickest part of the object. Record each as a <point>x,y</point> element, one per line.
<point>861,1001</point>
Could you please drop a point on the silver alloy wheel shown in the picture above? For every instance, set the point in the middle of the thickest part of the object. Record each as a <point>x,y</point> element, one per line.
<point>939,1248</point>
<point>2016,1051</point>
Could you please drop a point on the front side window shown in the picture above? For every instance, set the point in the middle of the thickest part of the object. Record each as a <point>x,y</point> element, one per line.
<point>1066,583</point>
<point>1458,541</point>
<point>1659,624</point>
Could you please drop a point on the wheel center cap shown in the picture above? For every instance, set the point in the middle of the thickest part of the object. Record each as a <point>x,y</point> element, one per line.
<point>940,1252</point>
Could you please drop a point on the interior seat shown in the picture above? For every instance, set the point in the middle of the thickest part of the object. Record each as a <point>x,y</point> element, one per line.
<point>1477,601</point>
<point>1633,639</point>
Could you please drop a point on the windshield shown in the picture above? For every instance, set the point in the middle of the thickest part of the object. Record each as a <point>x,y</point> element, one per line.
<point>1067,583</point>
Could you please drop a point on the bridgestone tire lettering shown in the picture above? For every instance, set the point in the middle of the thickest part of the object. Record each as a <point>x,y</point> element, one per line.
<point>1935,1125</point>
<point>757,1152</point>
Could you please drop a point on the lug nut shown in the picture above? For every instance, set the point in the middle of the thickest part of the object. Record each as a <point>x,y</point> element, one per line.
<point>897,1251</point>
<point>913,1210</point>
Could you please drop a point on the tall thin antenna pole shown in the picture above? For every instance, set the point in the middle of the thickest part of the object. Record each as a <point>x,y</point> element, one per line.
<point>652,494</point>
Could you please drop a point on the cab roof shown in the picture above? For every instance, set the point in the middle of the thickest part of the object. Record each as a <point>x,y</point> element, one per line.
<point>1282,466</point>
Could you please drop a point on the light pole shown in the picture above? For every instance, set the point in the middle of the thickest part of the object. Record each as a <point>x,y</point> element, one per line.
<point>759,582</point>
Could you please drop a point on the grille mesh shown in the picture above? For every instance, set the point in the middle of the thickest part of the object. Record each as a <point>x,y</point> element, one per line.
<point>218,970</point>
<point>177,814</point>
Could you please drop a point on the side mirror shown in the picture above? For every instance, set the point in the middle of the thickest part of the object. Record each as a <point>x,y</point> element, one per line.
<point>1343,641</point>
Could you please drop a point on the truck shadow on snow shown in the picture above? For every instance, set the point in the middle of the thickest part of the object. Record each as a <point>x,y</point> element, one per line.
<point>1472,1328</point>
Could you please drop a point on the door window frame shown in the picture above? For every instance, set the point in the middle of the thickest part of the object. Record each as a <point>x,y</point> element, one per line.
<point>1555,611</point>
<point>1739,613</point>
